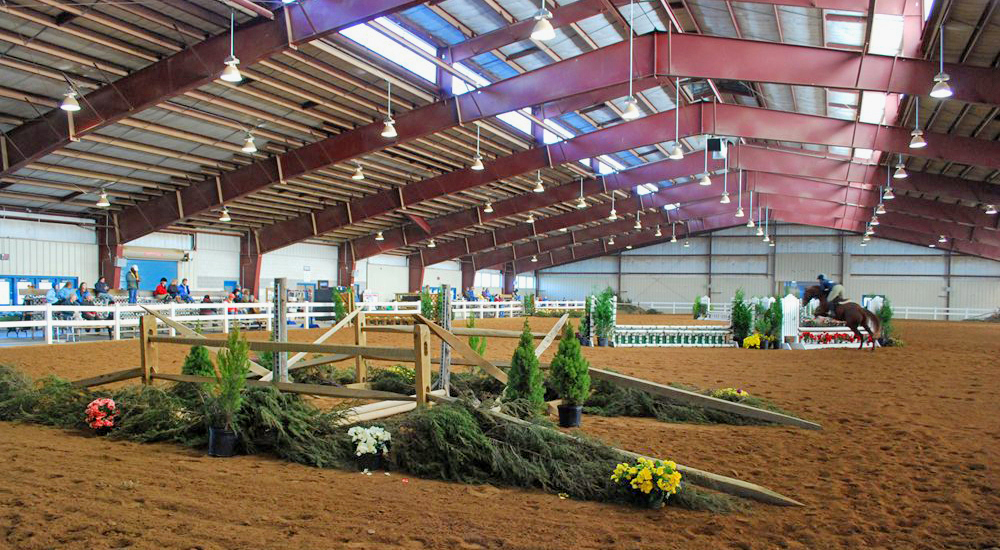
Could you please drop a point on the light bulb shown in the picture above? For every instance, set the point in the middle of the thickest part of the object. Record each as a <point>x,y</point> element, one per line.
<point>767,238</point>
<point>580,203</point>
<point>628,247</point>
<point>631,111</point>
<point>932,245</point>
<point>750,223</point>
<point>358,174</point>
<point>231,73</point>
<point>725,198</point>
<point>942,239</point>
<point>638,224</point>
<point>531,218</point>
<point>430,244</point>
<point>102,201</point>
<point>224,217</point>
<point>534,259</point>
<point>874,221</point>
<point>543,27</point>
<point>760,231</point>
<point>991,209</point>
<point>378,236</point>
<point>941,89</point>
<point>477,163</point>
<point>69,103</point>
<point>248,145</point>
<point>389,130</point>
<point>888,195</point>
<point>658,232</point>
<point>869,230</point>
<point>687,243</point>
<point>900,172</point>
<point>488,208</point>
<point>539,185</point>
<point>673,238</point>
<point>676,153</point>
<point>705,181</point>
<point>880,209</point>
<point>611,240</point>
<point>739,212</point>
<point>614,215</point>
<point>917,140</point>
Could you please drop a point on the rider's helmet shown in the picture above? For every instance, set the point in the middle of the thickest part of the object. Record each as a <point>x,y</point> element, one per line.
<point>820,277</point>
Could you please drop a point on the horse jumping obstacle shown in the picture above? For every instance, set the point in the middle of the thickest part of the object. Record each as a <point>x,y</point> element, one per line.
<point>796,336</point>
<point>666,336</point>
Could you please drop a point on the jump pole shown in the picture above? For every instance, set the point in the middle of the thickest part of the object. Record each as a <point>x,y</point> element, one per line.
<point>279,371</point>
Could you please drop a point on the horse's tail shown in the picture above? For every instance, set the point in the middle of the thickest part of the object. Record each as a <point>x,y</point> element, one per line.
<point>876,324</point>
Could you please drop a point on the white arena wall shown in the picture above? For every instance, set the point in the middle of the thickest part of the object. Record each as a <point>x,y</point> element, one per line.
<point>910,275</point>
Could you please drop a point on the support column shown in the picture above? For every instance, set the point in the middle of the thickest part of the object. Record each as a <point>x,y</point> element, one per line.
<point>537,132</point>
<point>508,278</point>
<point>109,251</point>
<point>250,262</point>
<point>416,274</point>
<point>345,265</point>
<point>468,275</point>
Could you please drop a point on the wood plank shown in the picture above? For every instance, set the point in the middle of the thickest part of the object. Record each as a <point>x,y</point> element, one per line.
<point>463,349</point>
<point>294,387</point>
<point>361,340</point>
<point>702,478</point>
<point>693,398</point>
<point>108,378</point>
<point>551,336</point>
<point>191,333</point>
<point>326,335</point>
<point>147,349</point>
<point>388,354</point>
<point>422,364</point>
<point>322,360</point>
<point>457,331</point>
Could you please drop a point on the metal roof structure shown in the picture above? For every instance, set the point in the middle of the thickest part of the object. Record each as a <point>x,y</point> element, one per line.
<point>816,99</point>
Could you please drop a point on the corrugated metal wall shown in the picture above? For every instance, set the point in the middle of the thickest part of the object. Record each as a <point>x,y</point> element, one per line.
<point>42,249</point>
<point>910,275</point>
<point>299,263</point>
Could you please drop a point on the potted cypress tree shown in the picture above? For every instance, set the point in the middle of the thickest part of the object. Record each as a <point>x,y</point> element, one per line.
<point>524,379</point>
<point>742,317</point>
<point>226,400</point>
<point>584,333</point>
<point>571,377</point>
<point>603,318</point>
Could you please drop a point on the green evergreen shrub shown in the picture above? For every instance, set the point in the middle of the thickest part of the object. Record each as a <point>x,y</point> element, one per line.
<point>528,304</point>
<point>233,363</point>
<point>604,322</point>
<point>524,378</point>
<point>570,370</point>
<point>426,303</point>
<point>477,343</point>
<point>339,310</point>
<point>586,320</point>
<point>885,315</point>
<point>742,317</point>
<point>776,316</point>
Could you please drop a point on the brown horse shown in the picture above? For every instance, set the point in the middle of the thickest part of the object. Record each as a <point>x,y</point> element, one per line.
<point>849,312</point>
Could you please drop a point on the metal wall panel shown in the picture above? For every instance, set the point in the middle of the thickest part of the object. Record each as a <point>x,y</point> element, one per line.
<point>968,265</point>
<point>605,264</point>
<point>739,265</point>
<point>291,262</point>
<point>902,291</point>
<point>40,231</point>
<point>975,292</point>
<point>725,286</point>
<point>41,258</point>
<point>744,244</point>
<point>564,286</point>
<point>665,264</point>
<point>164,240</point>
<point>805,267</point>
<point>663,288</point>
<point>904,266</point>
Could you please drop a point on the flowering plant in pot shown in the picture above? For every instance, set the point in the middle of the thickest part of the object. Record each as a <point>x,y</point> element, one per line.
<point>371,445</point>
<point>571,377</point>
<point>101,415</point>
<point>226,395</point>
<point>649,482</point>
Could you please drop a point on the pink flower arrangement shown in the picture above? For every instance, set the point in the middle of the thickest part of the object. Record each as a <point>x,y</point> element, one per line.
<point>101,413</point>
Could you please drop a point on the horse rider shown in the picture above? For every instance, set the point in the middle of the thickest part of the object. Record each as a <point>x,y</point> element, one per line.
<point>834,293</point>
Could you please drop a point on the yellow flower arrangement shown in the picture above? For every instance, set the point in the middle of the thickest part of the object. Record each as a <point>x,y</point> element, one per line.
<point>752,341</point>
<point>731,394</point>
<point>652,481</point>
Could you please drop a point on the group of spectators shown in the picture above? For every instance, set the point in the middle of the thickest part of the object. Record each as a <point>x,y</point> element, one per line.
<point>486,295</point>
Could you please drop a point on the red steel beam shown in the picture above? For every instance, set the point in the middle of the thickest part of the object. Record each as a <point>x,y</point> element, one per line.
<point>703,118</point>
<point>186,70</point>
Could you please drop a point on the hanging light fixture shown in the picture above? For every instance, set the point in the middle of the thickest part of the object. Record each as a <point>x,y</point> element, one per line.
<point>863,243</point>
<point>991,209</point>
<point>917,135</point>
<point>866,238</point>
<point>543,30</point>
<point>69,102</point>
<point>614,213</point>
<point>248,145</point>
<point>900,172</point>
<point>705,180</point>
<point>687,243</point>
<point>767,238</point>
<point>102,200</point>
<point>539,184</point>
<point>389,128</point>
<point>611,241</point>
<point>750,217</point>
<point>874,222</point>
<point>760,227</point>
<point>534,259</point>
<point>431,244</point>
<point>359,173</point>
<point>628,247</point>
<point>888,195</point>
<point>631,111</point>
<point>677,153</point>
<point>378,236</point>
<point>725,183</point>
<point>673,232</point>
<point>880,209</point>
<point>488,208</point>
<point>638,222</point>
<point>563,229</point>
<point>658,232</point>
<point>231,73</point>
<point>941,89</point>
<point>477,161</point>
<point>942,239</point>
<point>739,208</point>
<point>531,218</point>
<point>869,230</point>
<point>224,216</point>
<point>771,244</point>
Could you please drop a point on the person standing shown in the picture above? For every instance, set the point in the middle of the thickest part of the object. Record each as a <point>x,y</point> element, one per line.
<point>132,280</point>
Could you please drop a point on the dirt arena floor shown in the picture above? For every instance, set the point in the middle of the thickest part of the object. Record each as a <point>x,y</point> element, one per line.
<point>909,457</point>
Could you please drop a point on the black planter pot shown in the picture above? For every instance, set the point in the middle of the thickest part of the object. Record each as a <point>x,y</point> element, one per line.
<point>570,415</point>
<point>221,442</point>
<point>584,341</point>
<point>371,462</point>
<point>602,342</point>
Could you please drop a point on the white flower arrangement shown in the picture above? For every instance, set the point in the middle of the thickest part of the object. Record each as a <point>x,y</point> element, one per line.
<point>373,440</point>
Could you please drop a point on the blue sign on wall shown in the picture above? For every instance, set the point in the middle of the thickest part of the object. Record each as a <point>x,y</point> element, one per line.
<point>150,272</point>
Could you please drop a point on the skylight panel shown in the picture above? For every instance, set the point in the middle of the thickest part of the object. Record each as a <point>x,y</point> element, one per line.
<point>887,34</point>
<point>391,50</point>
<point>872,107</point>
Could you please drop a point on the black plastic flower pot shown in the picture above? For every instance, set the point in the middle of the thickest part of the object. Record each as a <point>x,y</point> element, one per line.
<point>584,340</point>
<point>221,442</point>
<point>371,462</point>
<point>570,415</point>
